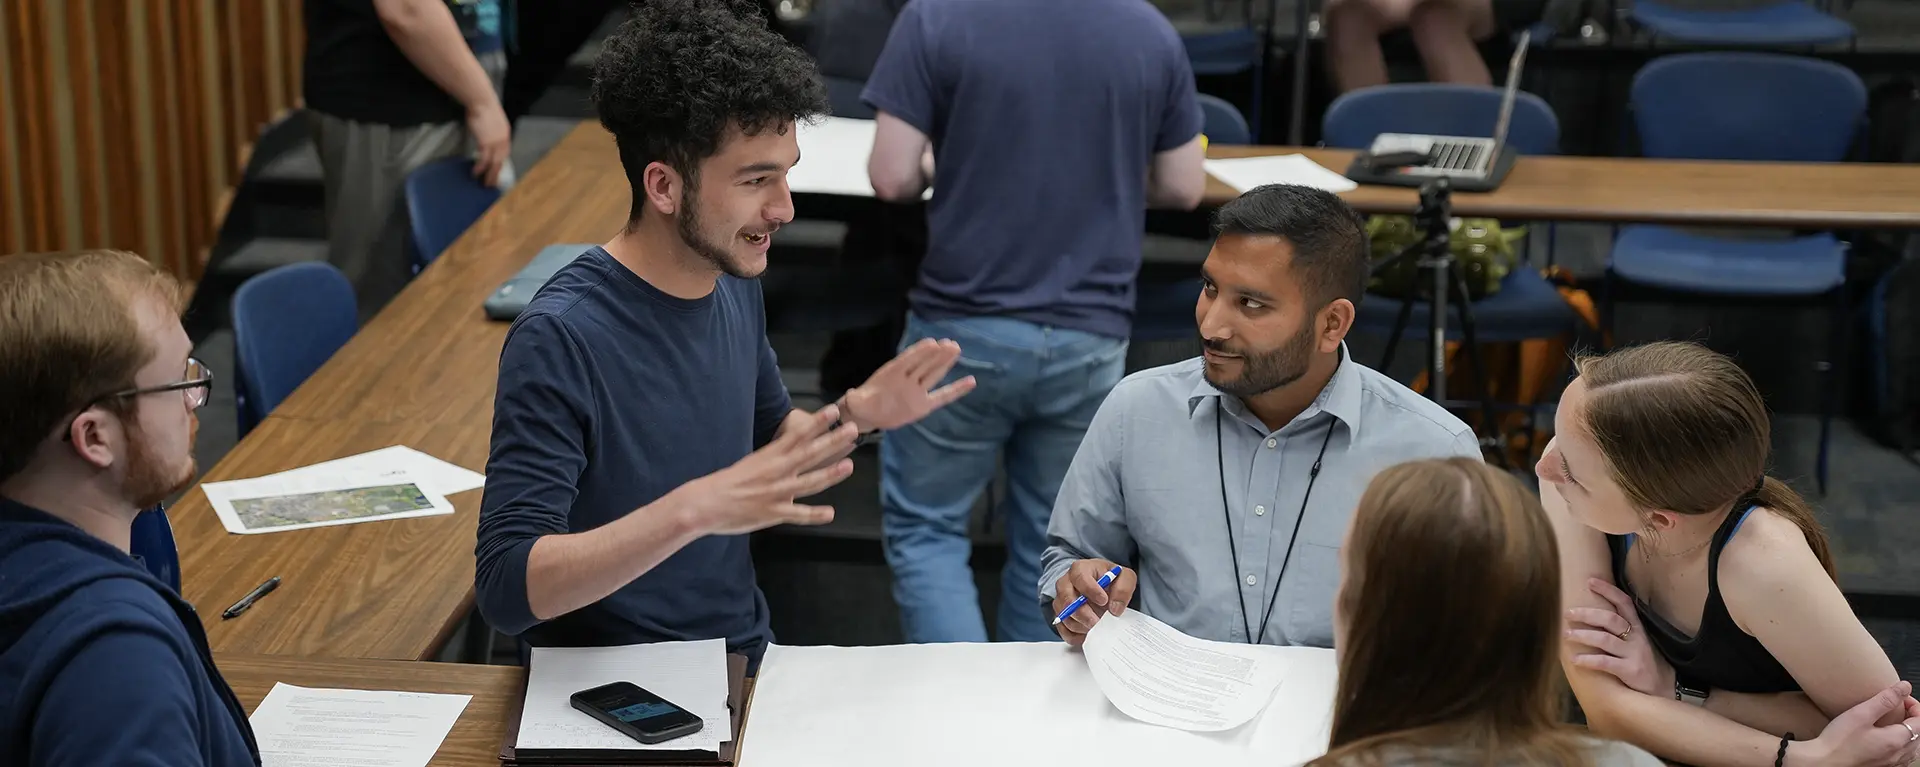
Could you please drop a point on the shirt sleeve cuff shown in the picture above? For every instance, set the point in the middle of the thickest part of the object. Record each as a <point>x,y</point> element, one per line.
<point>503,591</point>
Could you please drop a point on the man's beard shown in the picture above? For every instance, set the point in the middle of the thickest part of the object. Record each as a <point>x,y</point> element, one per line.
<point>149,480</point>
<point>689,227</point>
<point>1262,372</point>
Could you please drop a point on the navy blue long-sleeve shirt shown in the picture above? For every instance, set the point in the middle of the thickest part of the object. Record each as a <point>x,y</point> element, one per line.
<point>613,393</point>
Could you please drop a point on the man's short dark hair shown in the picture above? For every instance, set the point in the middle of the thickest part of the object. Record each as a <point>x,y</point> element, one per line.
<point>1329,239</point>
<point>673,78</point>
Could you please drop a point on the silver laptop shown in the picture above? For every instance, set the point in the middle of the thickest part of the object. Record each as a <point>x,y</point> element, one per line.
<point>1462,157</point>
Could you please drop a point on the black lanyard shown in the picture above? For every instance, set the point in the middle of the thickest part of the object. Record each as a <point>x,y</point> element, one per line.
<point>1219,452</point>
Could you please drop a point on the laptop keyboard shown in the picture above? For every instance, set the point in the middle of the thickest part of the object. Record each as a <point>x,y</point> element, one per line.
<point>1456,155</point>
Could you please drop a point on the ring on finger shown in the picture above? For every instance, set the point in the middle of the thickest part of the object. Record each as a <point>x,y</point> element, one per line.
<point>1911,735</point>
<point>1624,634</point>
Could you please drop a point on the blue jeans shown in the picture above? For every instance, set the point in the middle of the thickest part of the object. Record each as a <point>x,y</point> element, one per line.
<point>1038,388</point>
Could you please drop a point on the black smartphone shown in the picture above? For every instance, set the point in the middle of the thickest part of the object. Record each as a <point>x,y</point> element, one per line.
<point>642,715</point>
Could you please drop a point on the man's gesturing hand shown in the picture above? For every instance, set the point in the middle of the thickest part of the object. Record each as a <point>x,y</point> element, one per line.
<point>757,492</point>
<point>1084,578</point>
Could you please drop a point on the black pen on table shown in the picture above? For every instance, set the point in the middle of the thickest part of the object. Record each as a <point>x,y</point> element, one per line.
<point>252,596</point>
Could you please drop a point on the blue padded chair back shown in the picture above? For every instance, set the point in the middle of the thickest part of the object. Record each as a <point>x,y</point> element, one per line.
<point>152,544</point>
<point>443,199</point>
<point>1442,109</point>
<point>1747,106</point>
<point>1223,121</point>
<point>287,322</point>
<point>843,98</point>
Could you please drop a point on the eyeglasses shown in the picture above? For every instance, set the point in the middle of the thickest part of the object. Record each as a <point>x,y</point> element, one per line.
<point>196,386</point>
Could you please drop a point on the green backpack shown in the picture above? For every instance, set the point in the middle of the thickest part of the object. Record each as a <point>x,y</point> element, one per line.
<point>1482,252</point>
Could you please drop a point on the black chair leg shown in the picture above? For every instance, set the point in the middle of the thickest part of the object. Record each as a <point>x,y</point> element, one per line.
<point>1833,379</point>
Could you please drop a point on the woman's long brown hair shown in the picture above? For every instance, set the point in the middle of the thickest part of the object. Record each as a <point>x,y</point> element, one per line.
<point>1452,615</point>
<point>1685,430</point>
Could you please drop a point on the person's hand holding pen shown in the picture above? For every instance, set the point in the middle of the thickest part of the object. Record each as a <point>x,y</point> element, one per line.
<point>1081,598</point>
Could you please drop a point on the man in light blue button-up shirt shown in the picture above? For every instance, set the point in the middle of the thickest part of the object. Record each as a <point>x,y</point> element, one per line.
<point>1274,416</point>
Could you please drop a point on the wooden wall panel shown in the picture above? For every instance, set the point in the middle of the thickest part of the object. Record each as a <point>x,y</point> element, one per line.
<point>126,123</point>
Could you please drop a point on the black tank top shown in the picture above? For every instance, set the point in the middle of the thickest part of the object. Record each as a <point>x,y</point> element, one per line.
<point>1721,656</point>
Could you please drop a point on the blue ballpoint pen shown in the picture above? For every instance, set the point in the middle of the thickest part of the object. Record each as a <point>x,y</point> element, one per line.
<point>1105,581</point>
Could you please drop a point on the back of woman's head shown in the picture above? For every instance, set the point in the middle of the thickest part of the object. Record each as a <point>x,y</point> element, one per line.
<point>1449,610</point>
<point>1685,430</point>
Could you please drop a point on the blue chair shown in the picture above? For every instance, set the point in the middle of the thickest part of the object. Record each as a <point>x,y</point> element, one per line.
<point>1231,52</point>
<point>1791,22</point>
<point>152,546</point>
<point>1222,121</point>
<point>287,322</point>
<point>443,199</point>
<point>1742,106</point>
<point>1163,308</point>
<point>1447,109</point>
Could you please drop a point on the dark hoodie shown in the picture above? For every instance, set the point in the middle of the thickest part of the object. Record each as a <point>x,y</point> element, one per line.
<point>100,662</point>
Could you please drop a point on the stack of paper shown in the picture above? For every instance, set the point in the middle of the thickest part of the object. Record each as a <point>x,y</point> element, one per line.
<point>967,705</point>
<point>391,483</point>
<point>691,675</point>
<point>1245,173</point>
<point>1160,676</point>
<point>301,727</point>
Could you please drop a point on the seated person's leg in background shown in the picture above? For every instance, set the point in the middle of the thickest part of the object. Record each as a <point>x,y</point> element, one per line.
<point>1353,30</point>
<point>1446,32</point>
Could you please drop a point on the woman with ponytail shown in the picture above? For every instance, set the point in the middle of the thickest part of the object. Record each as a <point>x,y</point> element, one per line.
<point>1703,620</point>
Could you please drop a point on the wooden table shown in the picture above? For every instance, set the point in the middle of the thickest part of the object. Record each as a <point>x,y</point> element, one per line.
<point>1631,190</point>
<point>476,736</point>
<point>422,374</point>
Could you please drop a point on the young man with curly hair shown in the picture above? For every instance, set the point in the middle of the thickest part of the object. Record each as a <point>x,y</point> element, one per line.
<point>641,428</point>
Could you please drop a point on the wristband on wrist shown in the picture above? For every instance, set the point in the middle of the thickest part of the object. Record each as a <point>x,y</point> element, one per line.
<point>846,415</point>
<point>1780,759</point>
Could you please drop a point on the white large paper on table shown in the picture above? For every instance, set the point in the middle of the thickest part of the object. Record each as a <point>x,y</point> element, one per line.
<point>1158,675</point>
<point>692,675</point>
<point>300,500</point>
<point>434,475</point>
<point>1245,173</point>
<point>833,158</point>
<point>303,727</point>
<point>1003,704</point>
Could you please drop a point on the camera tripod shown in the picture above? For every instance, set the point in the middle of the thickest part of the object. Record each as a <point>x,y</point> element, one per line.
<point>1443,284</point>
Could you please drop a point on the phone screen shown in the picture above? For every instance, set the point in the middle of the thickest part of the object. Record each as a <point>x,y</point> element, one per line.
<point>643,710</point>
<point>637,708</point>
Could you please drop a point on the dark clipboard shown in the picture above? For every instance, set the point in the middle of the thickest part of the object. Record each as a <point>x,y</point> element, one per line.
<point>736,705</point>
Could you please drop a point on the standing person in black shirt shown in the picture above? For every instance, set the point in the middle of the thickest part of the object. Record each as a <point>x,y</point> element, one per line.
<point>393,85</point>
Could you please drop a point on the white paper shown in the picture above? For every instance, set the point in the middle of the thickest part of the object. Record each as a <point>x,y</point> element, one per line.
<point>1155,674</point>
<point>434,475</point>
<point>1003,703</point>
<point>298,501</point>
<point>1245,173</point>
<point>303,727</point>
<point>833,158</point>
<point>691,675</point>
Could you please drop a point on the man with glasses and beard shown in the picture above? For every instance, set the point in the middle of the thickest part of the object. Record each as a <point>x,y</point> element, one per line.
<point>1227,480</point>
<point>641,428</point>
<point>101,662</point>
